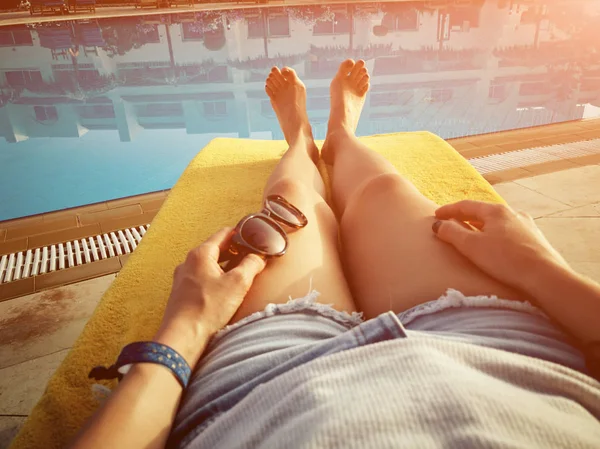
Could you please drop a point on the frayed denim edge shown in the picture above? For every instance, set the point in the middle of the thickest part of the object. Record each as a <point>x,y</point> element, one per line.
<point>455,299</point>
<point>308,302</point>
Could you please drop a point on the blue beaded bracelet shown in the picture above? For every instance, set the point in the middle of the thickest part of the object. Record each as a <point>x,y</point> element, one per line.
<point>145,352</point>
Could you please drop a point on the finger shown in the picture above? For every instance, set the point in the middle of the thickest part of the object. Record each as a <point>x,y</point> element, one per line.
<point>454,233</point>
<point>216,243</point>
<point>466,210</point>
<point>250,266</point>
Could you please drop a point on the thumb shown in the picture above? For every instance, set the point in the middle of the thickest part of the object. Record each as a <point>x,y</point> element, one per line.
<point>453,233</point>
<point>250,266</point>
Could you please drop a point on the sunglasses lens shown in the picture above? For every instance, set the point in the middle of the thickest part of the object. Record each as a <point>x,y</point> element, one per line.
<point>286,213</point>
<point>263,236</point>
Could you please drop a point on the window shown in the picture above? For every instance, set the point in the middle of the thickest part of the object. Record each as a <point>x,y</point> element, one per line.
<point>339,25</point>
<point>497,91</point>
<point>97,111</point>
<point>441,95</point>
<point>149,34</point>
<point>22,78</point>
<point>215,108</point>
<point>255,27</point>
<point>277,26</point>
<point>532,89</point>
<point>45,113</point>
<point>13,38</point>
<point>192,31</point>
<point>160,110</point>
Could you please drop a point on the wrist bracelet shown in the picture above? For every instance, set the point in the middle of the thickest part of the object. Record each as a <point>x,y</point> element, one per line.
<point>145,352</point>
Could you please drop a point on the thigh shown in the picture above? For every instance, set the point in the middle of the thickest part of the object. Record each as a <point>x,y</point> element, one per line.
<point>393,260</point>
<point>311,262</point>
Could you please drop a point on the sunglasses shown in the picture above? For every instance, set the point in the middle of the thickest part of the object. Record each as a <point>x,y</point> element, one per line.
<point>262,233</point>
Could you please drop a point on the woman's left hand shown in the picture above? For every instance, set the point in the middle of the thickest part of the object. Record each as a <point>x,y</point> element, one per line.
<point>204,298</point>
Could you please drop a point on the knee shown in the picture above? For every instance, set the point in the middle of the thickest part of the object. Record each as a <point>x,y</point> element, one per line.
<point>292,190</point>
<point>377,191</point>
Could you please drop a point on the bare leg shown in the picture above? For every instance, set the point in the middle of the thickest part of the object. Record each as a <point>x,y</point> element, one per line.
<point>312,255</point>
<point>392,259</point>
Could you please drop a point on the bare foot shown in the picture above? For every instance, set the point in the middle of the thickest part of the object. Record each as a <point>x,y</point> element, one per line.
<point>288,98</point>
<point>348,92</point>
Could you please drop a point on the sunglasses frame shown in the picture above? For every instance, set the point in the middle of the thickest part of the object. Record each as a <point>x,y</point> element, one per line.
<point>239,247</point>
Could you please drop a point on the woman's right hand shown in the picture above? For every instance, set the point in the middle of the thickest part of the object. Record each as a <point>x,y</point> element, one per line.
<point>503,243</point>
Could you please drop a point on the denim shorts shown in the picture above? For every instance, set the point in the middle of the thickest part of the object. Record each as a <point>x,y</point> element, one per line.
<point>284,336</point>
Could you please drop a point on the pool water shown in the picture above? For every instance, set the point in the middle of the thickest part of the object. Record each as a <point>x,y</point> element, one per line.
<point>100,109</point>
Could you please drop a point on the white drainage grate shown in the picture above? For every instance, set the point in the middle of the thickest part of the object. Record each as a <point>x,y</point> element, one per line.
<point>50,258</point>
<point>532,156</point>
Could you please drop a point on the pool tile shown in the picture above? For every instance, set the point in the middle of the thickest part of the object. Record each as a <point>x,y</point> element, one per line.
<point>555,140</point>
<point>48,321</point>
<point>152,205</point>
<point>575,187</point>
<point>480,152</point>
<point>127,222</point>
<point>73,212</point>
<point>462,146</point>
<point>123,259</point>
<point>63,236</point>
<point>9,427</point>
<point>17,288</point>
<point>22,385</point>
<point>591,124</point>
<point>14,245</point>
<point>589,135</point>
<point>530,201</point>
<point>42,228</point>
<point>136,199</point>
<point>506,175</point>
<point>573,237</point>
<point>76,274</point>
<point>592,159</point>
<point>521,145</point>
<point>26,221</point>
<point>96,217</point>
<point>589,210</point>
<point>550,167</point>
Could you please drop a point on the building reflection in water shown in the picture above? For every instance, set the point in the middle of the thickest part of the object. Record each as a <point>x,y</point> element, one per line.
<point>456,68</point>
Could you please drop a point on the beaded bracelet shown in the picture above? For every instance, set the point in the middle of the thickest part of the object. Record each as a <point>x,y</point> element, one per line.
<point>145,352</point>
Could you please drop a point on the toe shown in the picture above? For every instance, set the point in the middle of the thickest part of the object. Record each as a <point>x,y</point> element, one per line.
<point>290,74</point>
<point>357,70</point>
<point>346,67</point>
<point>272,84</point>
<point>363,83</point>
<point>272,80</point>
<point>277,76</point>
<point>269,90</point>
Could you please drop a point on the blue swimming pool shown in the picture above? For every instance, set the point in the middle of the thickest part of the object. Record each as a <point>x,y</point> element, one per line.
<point>100,109</point>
